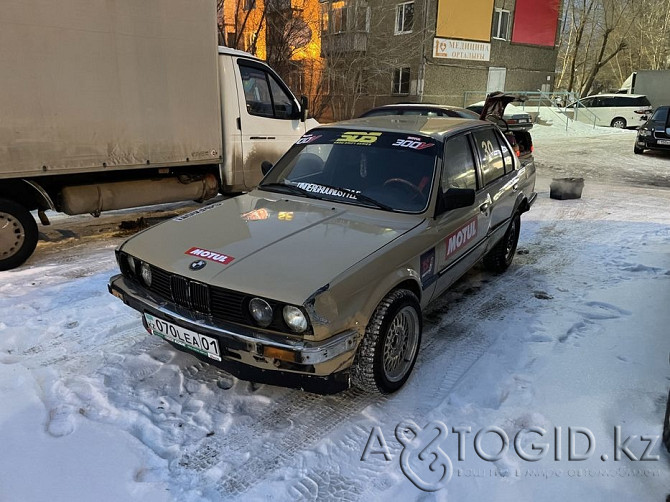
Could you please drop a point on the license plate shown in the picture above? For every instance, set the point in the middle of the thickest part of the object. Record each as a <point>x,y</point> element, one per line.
<point>196,342</point>
<point>663,141</point>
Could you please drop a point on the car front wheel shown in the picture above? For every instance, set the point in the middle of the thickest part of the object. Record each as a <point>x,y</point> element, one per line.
<point>390,346</point>
<point>638,150</point>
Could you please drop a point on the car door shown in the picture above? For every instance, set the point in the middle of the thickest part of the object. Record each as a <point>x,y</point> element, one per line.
<point>499,179</point>
<point>459,233</point>
<point>269,118</point>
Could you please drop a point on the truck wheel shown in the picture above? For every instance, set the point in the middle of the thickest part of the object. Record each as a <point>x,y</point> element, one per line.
<point>18,234</point>
<point>501,256</point>
<point>618,122</point>
<point>638,150</point>
<point>390,346</point>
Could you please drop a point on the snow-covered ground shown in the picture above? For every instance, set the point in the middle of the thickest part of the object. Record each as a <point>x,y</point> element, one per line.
<point>574,335</point>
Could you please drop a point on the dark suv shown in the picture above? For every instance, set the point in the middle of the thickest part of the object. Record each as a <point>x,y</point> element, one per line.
<point>654,134</point>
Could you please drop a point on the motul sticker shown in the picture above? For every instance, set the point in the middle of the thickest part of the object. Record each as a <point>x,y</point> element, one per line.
<point>210,255</point>
<point>458,239</point>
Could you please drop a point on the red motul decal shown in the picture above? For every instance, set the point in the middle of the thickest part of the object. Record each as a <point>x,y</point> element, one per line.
<point>458,239</point>
<point>210,255</point>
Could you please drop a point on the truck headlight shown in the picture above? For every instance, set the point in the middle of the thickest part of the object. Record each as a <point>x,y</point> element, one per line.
<point>261,311</point>
<point>145,273</point>
<point>295,319</point>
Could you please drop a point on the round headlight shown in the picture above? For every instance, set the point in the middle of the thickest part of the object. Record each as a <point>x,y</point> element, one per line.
<point>261,312</point>
<point>295,318</point>
<point>145,272</point>
<point>131,263</point>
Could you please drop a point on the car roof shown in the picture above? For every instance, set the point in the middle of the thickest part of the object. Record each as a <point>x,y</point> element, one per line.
<point>435,127</point>
<point>616,96</point>
<point>417,105</point>
<point>234,52</point>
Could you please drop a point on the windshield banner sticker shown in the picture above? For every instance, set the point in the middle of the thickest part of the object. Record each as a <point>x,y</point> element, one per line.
<point>358,138</point>
<point>307,138</point>
<point>457,240</point>
<point>314,188</point>
<point>210,255</point>
<point>413,142</point>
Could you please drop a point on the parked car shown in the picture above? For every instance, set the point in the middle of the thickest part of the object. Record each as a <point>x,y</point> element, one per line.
<point>317,279</point>
<point>654,134</point>
<point>614,110</point>
<point>515,118</point>
<point>427,110</point>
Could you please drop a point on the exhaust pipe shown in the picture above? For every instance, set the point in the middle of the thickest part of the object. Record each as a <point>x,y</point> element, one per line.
<point>94,199</point>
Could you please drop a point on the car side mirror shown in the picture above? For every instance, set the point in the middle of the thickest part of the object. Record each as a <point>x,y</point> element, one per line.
<point>304,108</point>
<point>266,165</point>
<point>454,198</point>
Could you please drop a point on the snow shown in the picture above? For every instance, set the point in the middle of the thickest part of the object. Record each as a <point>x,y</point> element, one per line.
<point>573,335</point>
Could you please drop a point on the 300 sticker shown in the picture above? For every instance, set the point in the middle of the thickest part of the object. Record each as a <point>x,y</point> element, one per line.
<point>413,144</point>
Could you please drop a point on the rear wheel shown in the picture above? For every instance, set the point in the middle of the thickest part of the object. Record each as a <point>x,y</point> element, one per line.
<point>502,254</point>
<point>618,122</point>
<point>18,234</point>
<point>390,346</point>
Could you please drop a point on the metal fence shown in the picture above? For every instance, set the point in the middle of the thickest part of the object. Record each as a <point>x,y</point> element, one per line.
<point>554,103</point>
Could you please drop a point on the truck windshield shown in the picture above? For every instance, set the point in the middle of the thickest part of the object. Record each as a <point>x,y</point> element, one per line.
<point>390,171</point>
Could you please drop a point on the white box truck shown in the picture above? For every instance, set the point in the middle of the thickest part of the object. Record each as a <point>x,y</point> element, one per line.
<point>655,84</point>
<point>111,104</point>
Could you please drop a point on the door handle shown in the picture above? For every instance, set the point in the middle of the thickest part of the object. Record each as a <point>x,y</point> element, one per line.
<point>515,187</point>
<point>484,207</point>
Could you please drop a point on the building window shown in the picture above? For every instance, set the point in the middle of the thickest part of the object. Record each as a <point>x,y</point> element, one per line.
<point>501,24</point>
<point>339,17</point>
<point>404,17</point>
<point>401,81</point>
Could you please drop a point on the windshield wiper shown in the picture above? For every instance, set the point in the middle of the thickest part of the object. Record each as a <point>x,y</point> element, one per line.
<point>358,196</point>
<point>288,188</point>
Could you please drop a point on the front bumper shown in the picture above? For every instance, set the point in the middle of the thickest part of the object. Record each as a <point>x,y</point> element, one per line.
<point>315,366</point>
<point>651,143</point>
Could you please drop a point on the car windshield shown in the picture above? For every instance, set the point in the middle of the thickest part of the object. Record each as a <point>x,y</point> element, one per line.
<point>389,171</point>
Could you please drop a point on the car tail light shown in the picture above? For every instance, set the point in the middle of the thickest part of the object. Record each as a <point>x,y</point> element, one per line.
<point>641,112</point>
<point>512,121</point>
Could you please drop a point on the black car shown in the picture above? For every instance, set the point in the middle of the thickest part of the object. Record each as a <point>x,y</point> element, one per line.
<point>427,110</point>
<point>654,134</point>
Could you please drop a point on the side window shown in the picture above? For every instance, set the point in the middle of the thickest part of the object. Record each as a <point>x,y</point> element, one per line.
<point>283,104</point>
<point>490,155</point>
<point>588,102</point>
<point>459,165</point>
<point>263,94</point>
<point>508,156</point>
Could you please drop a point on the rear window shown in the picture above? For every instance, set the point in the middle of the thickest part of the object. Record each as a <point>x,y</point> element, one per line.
<point>642,101</point>
<point>629,101</point>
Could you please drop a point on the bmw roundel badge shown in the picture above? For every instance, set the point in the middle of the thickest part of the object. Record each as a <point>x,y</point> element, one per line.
<point>197,265</point>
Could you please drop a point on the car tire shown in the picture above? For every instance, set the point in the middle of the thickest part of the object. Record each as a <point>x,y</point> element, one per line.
<point>500,257</point>
<point>18,234</point>
<point>618,122</point>
<point>638,150</point>
<point>389,349</point>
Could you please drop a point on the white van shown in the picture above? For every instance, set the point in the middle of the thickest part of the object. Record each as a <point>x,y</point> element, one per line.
<point>615,110</point>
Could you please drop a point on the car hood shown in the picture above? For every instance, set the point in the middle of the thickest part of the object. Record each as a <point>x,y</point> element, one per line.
<point>272,245</point>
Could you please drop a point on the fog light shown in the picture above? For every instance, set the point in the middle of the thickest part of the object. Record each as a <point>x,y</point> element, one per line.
<point>295,318</point>
<point>145,272</point>
<point>261,312</point>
